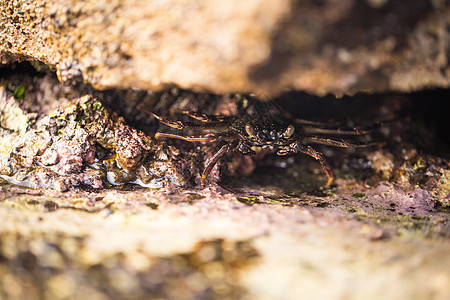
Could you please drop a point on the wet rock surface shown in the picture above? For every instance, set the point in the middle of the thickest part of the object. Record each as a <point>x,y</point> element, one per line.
<point>211,243</point>
<point>265,227</point>
<point>339,47</point>
<point>79,143</point>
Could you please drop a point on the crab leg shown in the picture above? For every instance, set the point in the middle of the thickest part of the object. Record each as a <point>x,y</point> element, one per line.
<point>184,124</point>
<point>337,143</point>
<point>190,125</point>
<point>167,121</point>
<point>201,117</point>
<point>330,142</point>
<point>317,155</point>
<point>187,124</point>
<point>204,138</point>
<point>316,130</point>
<point>297,147</point>
<point>223,150</point>
<point>312,123</point>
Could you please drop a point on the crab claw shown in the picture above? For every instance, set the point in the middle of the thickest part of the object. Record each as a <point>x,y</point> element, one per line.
<point>282,152</point>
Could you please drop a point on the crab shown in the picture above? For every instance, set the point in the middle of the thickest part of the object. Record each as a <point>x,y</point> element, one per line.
<point>246,134</point>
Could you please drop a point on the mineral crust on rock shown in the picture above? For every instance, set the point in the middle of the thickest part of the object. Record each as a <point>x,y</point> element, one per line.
<point>79,143</point>
<point>262,46</point>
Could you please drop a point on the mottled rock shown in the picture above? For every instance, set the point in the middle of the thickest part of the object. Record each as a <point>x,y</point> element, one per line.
<point>79,143</point>
<point>263,46</point>
<point>211,244</point>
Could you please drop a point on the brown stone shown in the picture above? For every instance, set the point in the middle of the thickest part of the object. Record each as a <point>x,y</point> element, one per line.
<point>339,47</point>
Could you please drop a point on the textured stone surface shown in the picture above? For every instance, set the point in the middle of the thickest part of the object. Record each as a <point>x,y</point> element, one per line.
<point>210,244</point>
<point>381,231</point>
<point>81,142</point>
<point>260,45</point>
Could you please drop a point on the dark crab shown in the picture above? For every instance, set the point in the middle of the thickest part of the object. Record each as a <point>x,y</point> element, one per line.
<point>247,133</point>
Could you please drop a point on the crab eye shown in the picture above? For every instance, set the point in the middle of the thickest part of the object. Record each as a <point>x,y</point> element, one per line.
<point>289,131</point>
<point>249,129</point>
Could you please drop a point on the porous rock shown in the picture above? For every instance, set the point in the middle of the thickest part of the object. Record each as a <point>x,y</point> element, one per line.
<point>80,143</point>
<point>262,46</point>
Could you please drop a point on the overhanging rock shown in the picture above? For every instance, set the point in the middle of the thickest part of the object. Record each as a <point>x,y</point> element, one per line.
<point>262,46</point>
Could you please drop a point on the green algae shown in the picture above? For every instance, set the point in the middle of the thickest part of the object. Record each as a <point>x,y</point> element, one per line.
<point>19,93</point>
<point>429,172</point>
<point>12,117</point>
<point>360,195</point>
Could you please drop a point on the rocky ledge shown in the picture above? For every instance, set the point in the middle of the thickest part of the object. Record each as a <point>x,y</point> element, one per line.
<point>262,46</point>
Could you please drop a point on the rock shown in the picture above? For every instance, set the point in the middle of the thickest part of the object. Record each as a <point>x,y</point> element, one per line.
<point>211,244</point>
<point>82,142</point>
<point>262,46</point>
